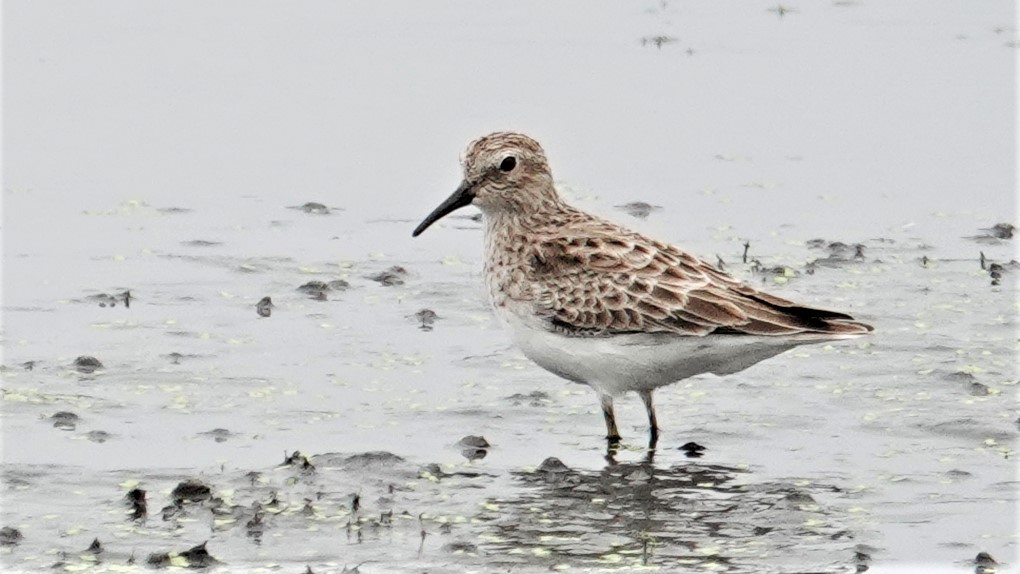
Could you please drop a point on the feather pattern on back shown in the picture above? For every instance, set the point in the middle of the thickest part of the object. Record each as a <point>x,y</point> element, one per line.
<point>588,277</point>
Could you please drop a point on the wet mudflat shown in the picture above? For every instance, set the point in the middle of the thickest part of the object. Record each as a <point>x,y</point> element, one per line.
<point>160,413</point>
<point>824,458</point>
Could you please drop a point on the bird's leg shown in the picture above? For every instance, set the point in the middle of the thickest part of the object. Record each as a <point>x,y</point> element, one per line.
<point>653,423</point>
<point>612,433</point>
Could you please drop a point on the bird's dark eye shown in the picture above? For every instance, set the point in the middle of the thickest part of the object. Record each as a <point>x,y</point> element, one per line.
<point>508,164</point>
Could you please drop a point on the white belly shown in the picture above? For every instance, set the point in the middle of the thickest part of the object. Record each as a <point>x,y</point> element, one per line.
<point>631,362</point>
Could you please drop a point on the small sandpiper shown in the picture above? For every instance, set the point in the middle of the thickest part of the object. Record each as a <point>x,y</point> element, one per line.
<point>601,305</point>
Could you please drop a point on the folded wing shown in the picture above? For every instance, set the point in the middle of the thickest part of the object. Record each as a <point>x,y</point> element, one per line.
<point>601,284</point>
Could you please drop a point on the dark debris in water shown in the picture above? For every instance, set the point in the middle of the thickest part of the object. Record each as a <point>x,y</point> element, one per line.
<point>217,434</point>
<point>10,536</point>
<point>692,450</point>
<point>300,461</point>
<point>552,466</point>
<point>195,557</point>
<point>534,398</point>
<point>984,563</point>
<point>460,547</point>
<point>110,300</point>
<point>474,441</point>
<point>256,525</point>
<point>1003,230</point>
<point>394,275</point>
<point>264,307</point>
<point>173,512</point>
<point>318,289</point>
<point>775,270</point>
<point>978,390</point>
<point>658,41</point>
<point>191,491</point>
<point>838,254</point>
<point>638,209</point>
<point>313,207</point>
<point>995,234</point>
<point>175,358</point>
<point>371,459</point>
<point>474,447</point>
<point>427,318</point>
<point>957,474</point>
<point>173,210</point>
<point>782,11</point>
<point>862,561</point>
<point>158,559</point>
<point>996,270</point>
<point>474,453</point>
<point>65,420</point>
<point>137,504</point>
<point>98,436</point>
<point>87,364</point>
<point>961,377</point>
<point>433,471</point>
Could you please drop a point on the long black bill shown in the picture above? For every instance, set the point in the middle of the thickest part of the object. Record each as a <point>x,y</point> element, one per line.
<point>463,196</point>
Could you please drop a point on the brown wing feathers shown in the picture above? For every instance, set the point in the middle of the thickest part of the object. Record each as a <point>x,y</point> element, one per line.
<point>629,286</point>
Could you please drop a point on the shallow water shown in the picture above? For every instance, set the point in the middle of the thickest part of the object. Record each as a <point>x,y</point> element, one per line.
<point>169,155</point>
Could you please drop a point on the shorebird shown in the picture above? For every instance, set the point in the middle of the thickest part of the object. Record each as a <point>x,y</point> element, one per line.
<point>598,304</point>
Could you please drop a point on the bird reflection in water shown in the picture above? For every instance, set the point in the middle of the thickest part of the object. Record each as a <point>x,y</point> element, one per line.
<point>686,514</point>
